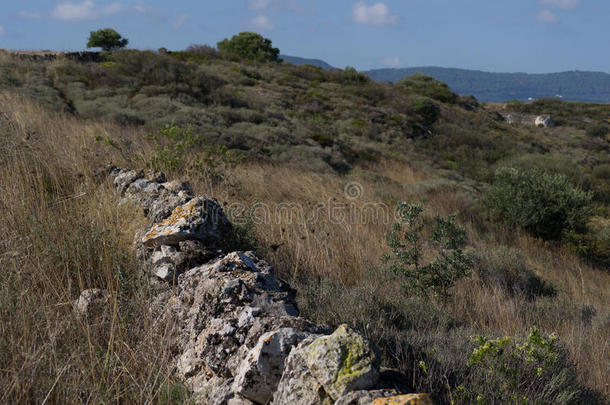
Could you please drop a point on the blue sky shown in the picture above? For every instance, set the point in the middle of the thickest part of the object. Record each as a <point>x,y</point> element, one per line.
<point>496,35</point>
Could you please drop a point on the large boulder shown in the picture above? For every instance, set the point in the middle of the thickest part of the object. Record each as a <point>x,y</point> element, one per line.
<point>224,307</point>
<point>199,219</point>
<point>343,362</point>
<point>297,385</point>
<point>261,370</point>
<point>544,121</point>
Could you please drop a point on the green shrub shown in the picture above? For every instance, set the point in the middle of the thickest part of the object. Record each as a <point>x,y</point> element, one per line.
<point>536,371</point>
<point>171,145</point>
<point>598,130</point>
<point>450,262</point>
<point>351,75</point>
<point>249,46</point>
<point>426,109</point>
<point>205,50</point>
<point>546,205</point>
<point>430,87</point>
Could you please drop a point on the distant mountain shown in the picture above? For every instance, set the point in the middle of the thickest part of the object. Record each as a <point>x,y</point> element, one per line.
<point>495,87</point>
<point>295,60</point>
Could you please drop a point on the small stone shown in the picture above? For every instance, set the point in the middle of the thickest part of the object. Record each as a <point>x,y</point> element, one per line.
<point>176,186</point>
<point>165,271</point>
<point>91,302</point>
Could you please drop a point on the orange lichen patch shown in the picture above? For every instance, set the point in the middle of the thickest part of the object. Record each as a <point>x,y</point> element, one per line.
<point>409,399</point>
<point>165,227</point>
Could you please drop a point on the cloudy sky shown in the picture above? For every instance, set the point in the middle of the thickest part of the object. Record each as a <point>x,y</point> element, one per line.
<point>496,35</point>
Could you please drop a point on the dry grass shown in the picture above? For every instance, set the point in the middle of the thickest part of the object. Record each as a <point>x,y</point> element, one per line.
<point>64,233</point>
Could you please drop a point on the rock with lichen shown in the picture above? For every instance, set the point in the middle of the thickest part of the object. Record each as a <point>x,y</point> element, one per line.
<point>199,219</point>
<point>342,362</point>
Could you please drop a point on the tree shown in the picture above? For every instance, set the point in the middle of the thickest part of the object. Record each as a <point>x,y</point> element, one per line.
<point>447,262</point>
<point>249,45</point>
<point>107,39</point>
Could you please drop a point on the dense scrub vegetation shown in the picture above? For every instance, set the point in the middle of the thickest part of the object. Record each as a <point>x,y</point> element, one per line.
<point>258,135</point>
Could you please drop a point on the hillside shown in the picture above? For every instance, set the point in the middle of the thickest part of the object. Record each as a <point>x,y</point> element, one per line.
<point>296,60</point>
<point>495,288</point>
<point>497,87</point>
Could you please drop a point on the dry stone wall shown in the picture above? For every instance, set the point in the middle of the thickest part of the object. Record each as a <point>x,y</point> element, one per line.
<point>240,338</point>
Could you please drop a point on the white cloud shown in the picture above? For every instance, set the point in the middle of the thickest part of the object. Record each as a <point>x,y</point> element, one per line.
<point>377,14</point>
<point>87,10</point>
<point>1,30</point>
<point>392,62</point>
<point>112,8</point>
<point>143,9</point>
<point>179,22</point>
<point>30,15</point>
<point>546,16</point>
<point>562,4</point>
<point>259,4</point>
<point>261,23</point>
<point>292,6</point>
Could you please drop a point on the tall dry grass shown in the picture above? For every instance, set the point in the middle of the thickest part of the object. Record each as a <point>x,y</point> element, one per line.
<point>64,233</point>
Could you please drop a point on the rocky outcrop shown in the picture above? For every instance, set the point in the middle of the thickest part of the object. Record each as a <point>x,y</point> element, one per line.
<point>544,121</point>
<point>240,339</point>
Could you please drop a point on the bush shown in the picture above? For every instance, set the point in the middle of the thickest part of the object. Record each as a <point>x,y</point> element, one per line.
<point>426,109</point>
<point>200,49</point>
<point>430,87</point>
<point>546,205</point>
<point>598,130</point>
<point>536,371</point>
<point>107,39</point>
<point>450,262</point>
<point>250,46</point>
<point>351,75</point>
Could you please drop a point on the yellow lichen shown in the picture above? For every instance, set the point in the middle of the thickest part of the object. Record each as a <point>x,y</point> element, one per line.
<point>409,399</point>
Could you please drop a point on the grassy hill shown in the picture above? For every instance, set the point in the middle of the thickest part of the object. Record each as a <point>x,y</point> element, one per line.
<point>497,87</point>
<point>309,163</point>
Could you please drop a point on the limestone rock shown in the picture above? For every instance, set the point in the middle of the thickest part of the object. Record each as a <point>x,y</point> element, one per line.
<point>297,385</point>
<point>262,369</point>
<point>543,121</point>
<point>364,397</point>
<point>224,307</point>
<point>199,219</point>
<point>343,362</point>
<point>408,399</point>
<point>91,302</point>
<point>123,178</point>
<point>166,261</point>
